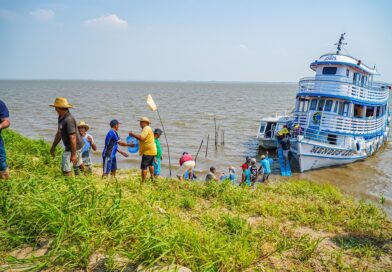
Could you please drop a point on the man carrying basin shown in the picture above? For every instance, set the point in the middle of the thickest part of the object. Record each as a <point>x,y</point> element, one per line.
<point>147,149</point>
<point>110,150</point>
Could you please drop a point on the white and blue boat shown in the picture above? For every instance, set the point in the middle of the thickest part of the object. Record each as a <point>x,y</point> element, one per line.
<point>341,115</point>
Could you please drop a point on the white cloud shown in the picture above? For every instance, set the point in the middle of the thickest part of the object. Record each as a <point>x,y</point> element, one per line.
<point>111,21</point>
<point>42,14</point>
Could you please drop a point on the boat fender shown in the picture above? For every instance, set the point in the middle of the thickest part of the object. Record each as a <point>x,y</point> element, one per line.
<point>369,148</point>
<point>357,146</point>
<point>375,145</point>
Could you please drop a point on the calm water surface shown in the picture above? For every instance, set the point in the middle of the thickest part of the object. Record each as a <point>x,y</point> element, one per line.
<point>188,110</point>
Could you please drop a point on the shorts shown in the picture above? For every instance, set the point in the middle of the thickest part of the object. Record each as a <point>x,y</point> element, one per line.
<point>147,161</point>
<point>186,166</point>
<point>286,154</point>
<point>109,164</point>
<point>157,167</point>
<point>3,158</point>
<point>66,164</point>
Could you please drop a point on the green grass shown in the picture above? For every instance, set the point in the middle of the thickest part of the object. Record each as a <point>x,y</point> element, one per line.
<point>205,227</point>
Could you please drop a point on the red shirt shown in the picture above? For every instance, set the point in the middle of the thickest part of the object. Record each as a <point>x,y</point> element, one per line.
<point>185,158</point>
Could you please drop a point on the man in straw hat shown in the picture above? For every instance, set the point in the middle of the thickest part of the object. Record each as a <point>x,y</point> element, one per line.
<point>4,123</point>
<point>147,149</point>
<point>89,145</point>
<point>68,132</point>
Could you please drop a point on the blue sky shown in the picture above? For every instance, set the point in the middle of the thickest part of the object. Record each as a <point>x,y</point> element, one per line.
<point>187,40</point>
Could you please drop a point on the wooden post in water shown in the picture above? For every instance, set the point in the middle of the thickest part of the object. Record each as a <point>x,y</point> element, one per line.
<point>223,138</point>
<point>216,135</point>
<point>208,140</point>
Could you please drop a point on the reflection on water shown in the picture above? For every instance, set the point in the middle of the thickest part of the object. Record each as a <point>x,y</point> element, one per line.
<point>188,110</point>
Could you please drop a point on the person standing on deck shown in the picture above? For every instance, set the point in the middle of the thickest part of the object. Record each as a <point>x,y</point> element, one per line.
<point>112,141</point>
<point>4,123</point>
<point>147,149</point>
<point>68,132</point>
<point>88,140</point>
<point>158,158</point>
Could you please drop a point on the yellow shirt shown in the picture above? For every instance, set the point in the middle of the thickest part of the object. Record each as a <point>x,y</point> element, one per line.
<point>147,144</point>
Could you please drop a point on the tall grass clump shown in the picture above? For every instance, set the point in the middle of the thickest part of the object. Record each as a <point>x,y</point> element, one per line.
<point>202,226</point>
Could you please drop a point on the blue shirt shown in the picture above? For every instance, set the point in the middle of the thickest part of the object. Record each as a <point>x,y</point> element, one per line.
<point>3,114</point>
<point>111,144</point>
<point>266,165</point>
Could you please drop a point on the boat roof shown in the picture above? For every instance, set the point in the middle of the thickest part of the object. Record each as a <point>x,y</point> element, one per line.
<point>341,59</point>
<point>276,119</point>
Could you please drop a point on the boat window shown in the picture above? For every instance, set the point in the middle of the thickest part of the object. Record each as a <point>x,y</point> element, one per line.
<point>356,78</point>
<point>378,112</point>
<point>269,132</point>
<point>303,104</point>
<point>345,108</point>
<point>328,105</point>
<point>329,70</point>
<point>321,104</point>
<point>358,111</point>
<point>313,104</point>
<point>347,73</point>
<point>262,128</point>
<point>369,111</point>
<point>336,106</point>
<point>363,81</point>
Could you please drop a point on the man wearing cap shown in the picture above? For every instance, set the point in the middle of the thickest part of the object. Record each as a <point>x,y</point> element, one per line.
<point>68,132</point>
<point>4,123</point>
<point>158,158</point>
<point>112,141</point>
<point>147,149</point>
<point>89,145</point>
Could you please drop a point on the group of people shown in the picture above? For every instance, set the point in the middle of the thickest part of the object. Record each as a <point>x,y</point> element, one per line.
<point>79,144</point>
<point>251,173</point>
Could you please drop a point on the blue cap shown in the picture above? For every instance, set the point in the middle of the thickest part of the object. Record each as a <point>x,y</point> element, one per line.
<point>114,122</point>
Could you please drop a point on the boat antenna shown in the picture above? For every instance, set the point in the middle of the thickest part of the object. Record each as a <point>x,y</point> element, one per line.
<point>340,43</point>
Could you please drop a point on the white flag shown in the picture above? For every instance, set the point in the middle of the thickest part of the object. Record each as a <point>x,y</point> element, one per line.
<point>151,103</point>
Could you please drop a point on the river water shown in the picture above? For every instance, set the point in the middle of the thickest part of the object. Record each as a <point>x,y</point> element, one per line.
<point>188,110</point>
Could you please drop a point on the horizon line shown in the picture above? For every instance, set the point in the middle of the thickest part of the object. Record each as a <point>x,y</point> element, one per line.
<point>144,80</point>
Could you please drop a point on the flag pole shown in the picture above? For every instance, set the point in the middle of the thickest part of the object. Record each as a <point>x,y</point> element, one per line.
<point>167,143</point>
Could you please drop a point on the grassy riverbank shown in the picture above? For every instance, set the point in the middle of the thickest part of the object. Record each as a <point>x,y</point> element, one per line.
<point>56,223</point>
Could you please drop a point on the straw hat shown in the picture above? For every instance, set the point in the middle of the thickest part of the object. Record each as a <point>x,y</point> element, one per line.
<point>61,102</point>
<point>83,124</point>
<point>145,119</point>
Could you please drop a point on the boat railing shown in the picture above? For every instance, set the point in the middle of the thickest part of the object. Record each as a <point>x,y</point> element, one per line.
<point>356,126</point>
<point>321,136</point>
<point>342,124</point>
<point>342,87</point>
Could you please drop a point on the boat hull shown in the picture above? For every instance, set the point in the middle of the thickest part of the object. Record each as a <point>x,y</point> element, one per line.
<point>311,155</point>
